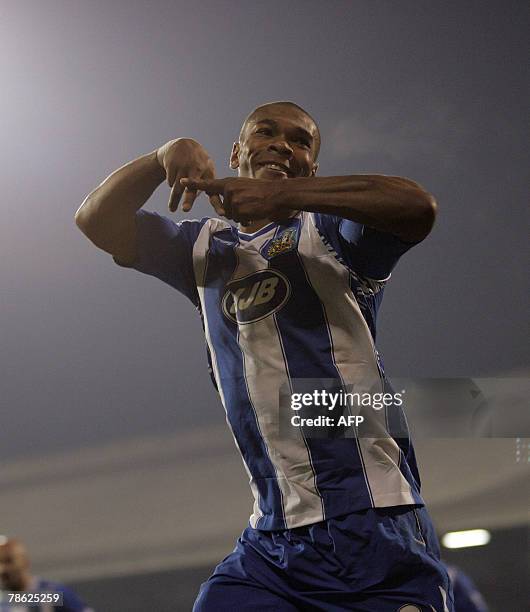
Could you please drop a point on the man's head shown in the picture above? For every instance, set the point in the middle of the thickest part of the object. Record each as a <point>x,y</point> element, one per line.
<point>277,140</point>
<point>14,566</point>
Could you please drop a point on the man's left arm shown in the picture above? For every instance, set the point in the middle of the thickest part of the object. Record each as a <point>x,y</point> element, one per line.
<point>388,204</point>
<point>371,221</point>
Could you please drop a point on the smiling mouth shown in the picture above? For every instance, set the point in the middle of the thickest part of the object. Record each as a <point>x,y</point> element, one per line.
<point>276,167</point>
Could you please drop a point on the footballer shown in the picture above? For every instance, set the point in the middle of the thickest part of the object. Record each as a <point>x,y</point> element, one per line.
<point>287,276</point>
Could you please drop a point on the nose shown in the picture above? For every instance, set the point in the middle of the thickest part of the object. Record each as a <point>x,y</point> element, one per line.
<point>281,147</point>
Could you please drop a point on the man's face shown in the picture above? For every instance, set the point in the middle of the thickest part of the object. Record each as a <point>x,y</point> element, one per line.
<point>13,566</point>
<point>278,142</point>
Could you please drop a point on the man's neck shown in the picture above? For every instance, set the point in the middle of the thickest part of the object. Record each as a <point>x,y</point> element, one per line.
<point>253,226</point>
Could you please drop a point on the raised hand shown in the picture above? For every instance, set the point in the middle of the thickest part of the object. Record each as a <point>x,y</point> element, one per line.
<point>186,158</point>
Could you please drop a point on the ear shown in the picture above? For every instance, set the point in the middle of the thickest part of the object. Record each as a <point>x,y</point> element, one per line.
<point>234,156</point>
<point>314,170</point>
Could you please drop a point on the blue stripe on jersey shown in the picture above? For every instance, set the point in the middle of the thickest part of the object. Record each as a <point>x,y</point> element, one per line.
<point>303,325</point>
<point>368,301</point>
<point>306,341</point>
<point>221,264</point>
<point>398,428</point>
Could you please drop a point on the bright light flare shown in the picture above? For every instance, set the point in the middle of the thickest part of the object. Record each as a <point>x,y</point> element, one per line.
<point>465,539</point>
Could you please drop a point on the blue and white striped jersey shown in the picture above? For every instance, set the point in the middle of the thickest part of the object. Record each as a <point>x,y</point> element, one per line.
<point>295,300</point>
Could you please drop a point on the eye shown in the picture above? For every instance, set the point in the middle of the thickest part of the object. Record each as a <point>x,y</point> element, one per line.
<point>304,142</point>
<point>264,130</point>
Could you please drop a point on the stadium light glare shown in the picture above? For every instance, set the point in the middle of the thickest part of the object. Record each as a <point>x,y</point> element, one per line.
<point>465,539</point>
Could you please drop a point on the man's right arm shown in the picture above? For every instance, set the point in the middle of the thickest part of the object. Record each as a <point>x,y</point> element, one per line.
<point>107,216</point>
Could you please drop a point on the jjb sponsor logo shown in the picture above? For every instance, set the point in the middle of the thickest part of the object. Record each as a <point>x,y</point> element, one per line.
<point>256,296</point>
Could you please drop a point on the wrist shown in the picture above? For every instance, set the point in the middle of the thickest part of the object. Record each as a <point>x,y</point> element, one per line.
<point>292,193</point>
<point>185,146</point>
<point>158,157</point>
<point>157,164</point>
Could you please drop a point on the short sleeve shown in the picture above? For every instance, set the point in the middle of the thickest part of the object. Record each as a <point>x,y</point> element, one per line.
<point>368,252</point>
<point>164,249</point>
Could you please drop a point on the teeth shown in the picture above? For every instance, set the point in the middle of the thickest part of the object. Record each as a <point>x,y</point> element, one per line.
<point>275,167</point>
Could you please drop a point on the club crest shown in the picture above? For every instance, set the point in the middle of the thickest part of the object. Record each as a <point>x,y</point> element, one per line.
<point>285,242</point>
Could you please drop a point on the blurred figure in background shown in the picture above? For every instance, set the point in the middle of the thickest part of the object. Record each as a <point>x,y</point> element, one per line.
<point>15,576</point>
<point>466,595</point>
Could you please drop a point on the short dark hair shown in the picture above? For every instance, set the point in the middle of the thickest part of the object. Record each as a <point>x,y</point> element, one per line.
<point>283,103</point>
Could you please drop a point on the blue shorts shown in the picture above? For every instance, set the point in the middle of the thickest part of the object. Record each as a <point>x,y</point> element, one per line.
<point>375,560</point>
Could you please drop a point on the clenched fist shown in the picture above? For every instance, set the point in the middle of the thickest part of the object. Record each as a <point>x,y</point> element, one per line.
<point>245,199</point>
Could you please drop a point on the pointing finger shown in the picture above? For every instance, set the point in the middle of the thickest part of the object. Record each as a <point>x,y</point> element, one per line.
<point>211,187</point>
<point>195,184</point>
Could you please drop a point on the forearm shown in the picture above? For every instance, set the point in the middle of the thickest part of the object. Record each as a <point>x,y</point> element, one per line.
<point>388,204</point>
<point>120,195</point>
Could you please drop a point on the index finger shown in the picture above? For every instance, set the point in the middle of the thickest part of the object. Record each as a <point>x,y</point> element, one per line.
<point>210,186</point>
